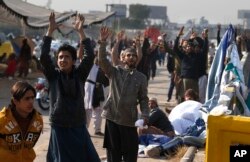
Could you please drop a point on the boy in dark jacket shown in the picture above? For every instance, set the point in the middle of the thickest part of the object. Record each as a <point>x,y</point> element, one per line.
<point>69,140</point>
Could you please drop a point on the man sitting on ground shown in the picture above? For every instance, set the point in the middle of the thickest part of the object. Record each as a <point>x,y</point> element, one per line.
<point>158,121</point>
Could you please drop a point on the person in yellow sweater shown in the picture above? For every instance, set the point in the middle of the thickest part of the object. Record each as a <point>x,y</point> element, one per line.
<point>20,125</point>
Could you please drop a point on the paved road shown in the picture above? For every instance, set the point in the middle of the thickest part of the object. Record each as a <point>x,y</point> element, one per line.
<point>157,88</point>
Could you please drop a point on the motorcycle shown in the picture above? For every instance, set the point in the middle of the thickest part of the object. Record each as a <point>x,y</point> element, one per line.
<point>42,93</point>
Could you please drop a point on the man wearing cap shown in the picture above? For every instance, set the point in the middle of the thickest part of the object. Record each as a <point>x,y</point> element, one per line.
<point>128,88</point>
<point>158,121</point>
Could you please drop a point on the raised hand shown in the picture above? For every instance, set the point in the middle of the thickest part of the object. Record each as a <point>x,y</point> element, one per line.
<point>52,24</point>
<point>120,35</point>
<point>164,36</point>
<point>146,34</point>
<point>193,35</point>
<point>204,33</point>
<point>78,25</point>
<point>79,21</point>
<point>104,33</point>
<point>139,35</point>
<point>138,40</point>
<point>181,31</point>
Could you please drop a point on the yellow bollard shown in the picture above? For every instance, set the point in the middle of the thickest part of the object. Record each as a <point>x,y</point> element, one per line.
<point>224,131</point>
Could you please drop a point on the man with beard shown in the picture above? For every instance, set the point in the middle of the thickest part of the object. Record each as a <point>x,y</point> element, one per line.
<point>128,88</point>
<point>189,63</point>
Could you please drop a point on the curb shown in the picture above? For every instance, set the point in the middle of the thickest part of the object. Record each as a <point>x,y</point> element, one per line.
<point>189,155</point>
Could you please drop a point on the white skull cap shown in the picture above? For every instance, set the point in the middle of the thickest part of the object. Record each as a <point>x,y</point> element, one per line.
<point>153,99</point>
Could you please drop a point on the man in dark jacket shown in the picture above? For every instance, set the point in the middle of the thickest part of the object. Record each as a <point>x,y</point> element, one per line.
<point>189,63</point>
<point>158,122</point>
<point>69,140</point>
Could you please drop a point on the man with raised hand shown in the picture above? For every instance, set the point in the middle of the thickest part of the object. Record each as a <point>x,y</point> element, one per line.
<point>69,139</point>
<point>128,88</point>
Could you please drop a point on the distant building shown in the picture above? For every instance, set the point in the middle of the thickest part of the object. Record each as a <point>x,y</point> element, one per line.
<point>120,9</point>
<point>245,16</point>
<point>158,15</point>
<point>158,12</point>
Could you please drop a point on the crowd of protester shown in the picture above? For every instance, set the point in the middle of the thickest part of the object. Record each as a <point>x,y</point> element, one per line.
<point>92,82</point>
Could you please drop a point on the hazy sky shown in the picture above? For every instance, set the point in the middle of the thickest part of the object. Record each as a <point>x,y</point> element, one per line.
<point>215,11</point>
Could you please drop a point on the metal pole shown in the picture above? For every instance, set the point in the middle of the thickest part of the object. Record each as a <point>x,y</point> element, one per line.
<point>23,26</point>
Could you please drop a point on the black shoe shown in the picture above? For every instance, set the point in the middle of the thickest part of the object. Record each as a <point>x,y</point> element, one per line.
<point>153,152</point>
<point>99,133</point>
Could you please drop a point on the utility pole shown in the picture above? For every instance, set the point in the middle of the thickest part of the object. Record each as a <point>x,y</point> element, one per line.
<point>23,26</point>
